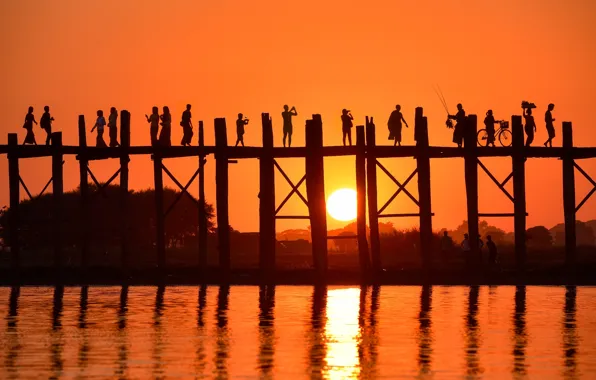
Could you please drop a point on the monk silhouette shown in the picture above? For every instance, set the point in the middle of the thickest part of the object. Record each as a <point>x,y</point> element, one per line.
<point>100,123</point>
<point>28,125</point>
<point>186,124</point>
<point>460,122</point>
<point>288,129</point>
<point>166,128</point>
<point>46,124</point>
<point>113,127</point>
<point>346,125</point>
<point>240,123</point>
<point>394,125</point>
<point>550,128</point>
<point>153,120</point>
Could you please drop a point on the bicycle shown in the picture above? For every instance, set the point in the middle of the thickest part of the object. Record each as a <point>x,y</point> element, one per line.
<point>503,134</point>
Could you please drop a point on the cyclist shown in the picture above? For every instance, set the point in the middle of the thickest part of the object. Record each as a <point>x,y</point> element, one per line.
<point>489,124</point>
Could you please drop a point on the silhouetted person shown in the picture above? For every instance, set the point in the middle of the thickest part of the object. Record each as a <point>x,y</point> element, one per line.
<point>100,124</point>
<point>46,124</point>
<point>492,250</point>
<point>288,129</point>
<point>240,123</point>
<point>489,124</point>
<point>466,248</point>
<point>186,124</point>
<point>28,125</point>
<point>113,127</point>
<point>154,128</point>
<point>530,126</point>
<point>550,128</point>
<point>346,125</point>
<point>394,125</point>
<point>446,245</point>
<point>460,122</point>
<point>166,128</point>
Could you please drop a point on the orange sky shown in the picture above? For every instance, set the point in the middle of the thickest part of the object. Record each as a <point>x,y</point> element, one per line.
<point>233,56</point>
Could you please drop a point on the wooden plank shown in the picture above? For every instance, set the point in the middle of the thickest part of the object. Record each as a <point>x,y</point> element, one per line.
<point>124,195</point>
<point>203,233</point>
<point>371,179</point>
<point>221,193</point>
<point>315,189</point>
<point>519,191</point>
<point>424,193</point>
<point>15,197</point>
<point>58,190</point>
<point>471,179</point>
<point>361,201</point>
<point>267,210</point>
<point>569,195</point>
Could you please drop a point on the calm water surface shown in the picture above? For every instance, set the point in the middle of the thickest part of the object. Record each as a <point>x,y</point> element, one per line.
<point>295,332</point>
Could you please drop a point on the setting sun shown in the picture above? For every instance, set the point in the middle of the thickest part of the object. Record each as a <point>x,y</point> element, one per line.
<point>341,205</point>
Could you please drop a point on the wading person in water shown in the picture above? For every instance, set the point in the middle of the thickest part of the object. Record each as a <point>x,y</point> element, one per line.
<point>550,128</point>
<point>166,128</point>
<point>489,124</point>
<point>240,123</point>
<point>346,125</point>
<point>153,120</point>
<point>46,124</point>
<point>458,130</point>
<point>287,116</point>
<point>100,123</point>
<point>28,125</point>
<point>492,250</point>
<point>394,125</point>
<point>113,127</point>
<point>186,124</point>
<point>530,126</point>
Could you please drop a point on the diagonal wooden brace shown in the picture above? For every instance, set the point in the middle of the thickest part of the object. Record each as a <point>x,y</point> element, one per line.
<point>399,190</point>
<point>591,191</point>
<point>290,182</point>
<point>499,185</point>
<point>294,189</point>
<point>184,190</point>
<point>100,186</point>
<point>399,185</point>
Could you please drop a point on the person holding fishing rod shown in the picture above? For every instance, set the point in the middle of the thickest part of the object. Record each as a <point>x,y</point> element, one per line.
<point>394,125</point>
<point>458,130</point>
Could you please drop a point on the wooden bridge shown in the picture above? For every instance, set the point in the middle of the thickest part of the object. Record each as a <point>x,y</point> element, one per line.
<point>366,153</point>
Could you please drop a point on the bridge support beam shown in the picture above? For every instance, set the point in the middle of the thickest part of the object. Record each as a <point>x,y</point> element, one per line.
<point>569,194</point>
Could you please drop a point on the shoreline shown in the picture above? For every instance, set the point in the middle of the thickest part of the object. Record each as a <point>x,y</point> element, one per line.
<point>191,276</point>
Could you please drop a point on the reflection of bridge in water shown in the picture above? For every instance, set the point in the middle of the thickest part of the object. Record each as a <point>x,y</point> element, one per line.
<point>338,332</point>
<point>366,154</point>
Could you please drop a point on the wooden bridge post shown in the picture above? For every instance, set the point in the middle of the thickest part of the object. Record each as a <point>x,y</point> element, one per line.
<point>361,201</point>
<point>471,178</point>
<point>519,191</point>
<point>267,238</point>
<point>424,193</point>
<point>124,159</point>
<point>371,179</point>
<point>315,189</point>
<point>84,189</point>
<point>569,194</point>
<point>15,197</point>
<point>221,193</point>
<point>202,214</point>
<point>58,189</point>
<point>160,238</point>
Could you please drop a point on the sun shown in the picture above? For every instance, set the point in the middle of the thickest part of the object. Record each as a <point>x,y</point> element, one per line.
<point>341,205</point>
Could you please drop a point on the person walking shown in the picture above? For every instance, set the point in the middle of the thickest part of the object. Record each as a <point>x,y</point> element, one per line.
<point>46,124</point>
<point>394,125</point>
<point>165,134</point>
<point>28,125</point>
<point>240,123</point>
<point>186,124</point>
<point>100,124</point>
<point>113,127</point>
<point>550,128</point>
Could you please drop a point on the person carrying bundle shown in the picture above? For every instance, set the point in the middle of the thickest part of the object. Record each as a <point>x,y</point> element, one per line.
<point>394,125</point>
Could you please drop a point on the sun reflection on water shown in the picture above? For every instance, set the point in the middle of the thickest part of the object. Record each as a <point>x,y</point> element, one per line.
<point>342,334</point>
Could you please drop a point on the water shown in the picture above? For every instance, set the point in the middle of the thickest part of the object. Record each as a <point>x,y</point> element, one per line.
<point>297,332</point>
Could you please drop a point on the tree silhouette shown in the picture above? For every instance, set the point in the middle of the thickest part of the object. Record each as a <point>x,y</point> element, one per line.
<point>103,226</point>
<point>539,237</point>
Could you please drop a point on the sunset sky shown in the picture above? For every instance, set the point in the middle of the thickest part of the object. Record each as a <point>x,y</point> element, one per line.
<point>230,56</point>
